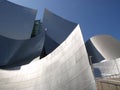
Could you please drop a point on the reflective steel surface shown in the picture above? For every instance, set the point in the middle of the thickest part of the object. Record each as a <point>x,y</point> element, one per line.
<point>102,47</point>
<point>16,21</point>
<point>66,68</point>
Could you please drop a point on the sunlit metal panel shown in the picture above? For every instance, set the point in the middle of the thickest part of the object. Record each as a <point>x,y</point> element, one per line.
<point>66,68</point>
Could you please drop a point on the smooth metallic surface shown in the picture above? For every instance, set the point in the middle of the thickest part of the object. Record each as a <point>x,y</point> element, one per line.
<point>16,22</point>
<point>17,52</point>
<point>50,44</point>
<point>57,29</point>
<point>66,68</point>
<point>103,47</point>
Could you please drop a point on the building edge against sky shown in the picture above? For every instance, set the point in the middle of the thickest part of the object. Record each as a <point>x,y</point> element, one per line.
<point>61,70</point>
<point>103,47</point>
<point>16,44</point>
<point>65,68</point>
<point>64,63</point>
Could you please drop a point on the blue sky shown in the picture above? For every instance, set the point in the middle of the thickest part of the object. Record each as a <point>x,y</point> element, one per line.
<point>94,16</point>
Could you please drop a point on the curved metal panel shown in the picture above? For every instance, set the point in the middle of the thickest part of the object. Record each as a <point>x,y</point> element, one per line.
<point>103,47</point>
<point>66,68</point>
<point>50,44</point>
<point>17,52</point>
<point>16,21</point>
<point>57,29</point>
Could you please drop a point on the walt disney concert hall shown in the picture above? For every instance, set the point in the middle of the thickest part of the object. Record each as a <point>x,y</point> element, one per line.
<point>47,54</point>
<point>50,54</point>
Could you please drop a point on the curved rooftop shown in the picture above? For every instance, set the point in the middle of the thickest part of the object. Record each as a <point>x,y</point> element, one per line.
<point>102,47</point>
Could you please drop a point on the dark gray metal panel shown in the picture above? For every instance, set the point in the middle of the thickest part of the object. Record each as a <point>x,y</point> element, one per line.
<point>50,45</point>
<point>17,52</point>
<point>66,68</point>
<point>103,47</point>
<point>93,53</point>
<point>56,27</point>
<point>16,21</point>
<point>57,30</point>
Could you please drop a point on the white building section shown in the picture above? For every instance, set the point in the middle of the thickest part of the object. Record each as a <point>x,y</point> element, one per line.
<point>102,47</point>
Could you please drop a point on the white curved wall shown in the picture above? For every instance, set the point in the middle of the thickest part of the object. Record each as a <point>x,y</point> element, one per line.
<point>66,68</point>
<point>103,47</point>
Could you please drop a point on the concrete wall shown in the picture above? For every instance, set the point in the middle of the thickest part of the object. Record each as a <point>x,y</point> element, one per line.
<point>66,68</point>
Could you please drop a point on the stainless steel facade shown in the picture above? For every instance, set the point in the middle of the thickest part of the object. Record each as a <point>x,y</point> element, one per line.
<point>104,52</point>
<point>16,25</point>
<point>57,30</point>
<point>56,27</point>
<point>16,21</point>
<point>103,47</point>
<point>65,68</point>
<point>18,52</point>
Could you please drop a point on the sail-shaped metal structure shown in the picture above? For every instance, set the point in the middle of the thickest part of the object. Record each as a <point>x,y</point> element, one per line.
<point>16,25</point>
<point>102,47</point>
<point>66,68</point>
<point>16,21</point>
<point>65,65</point>
<point>57,29</point>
